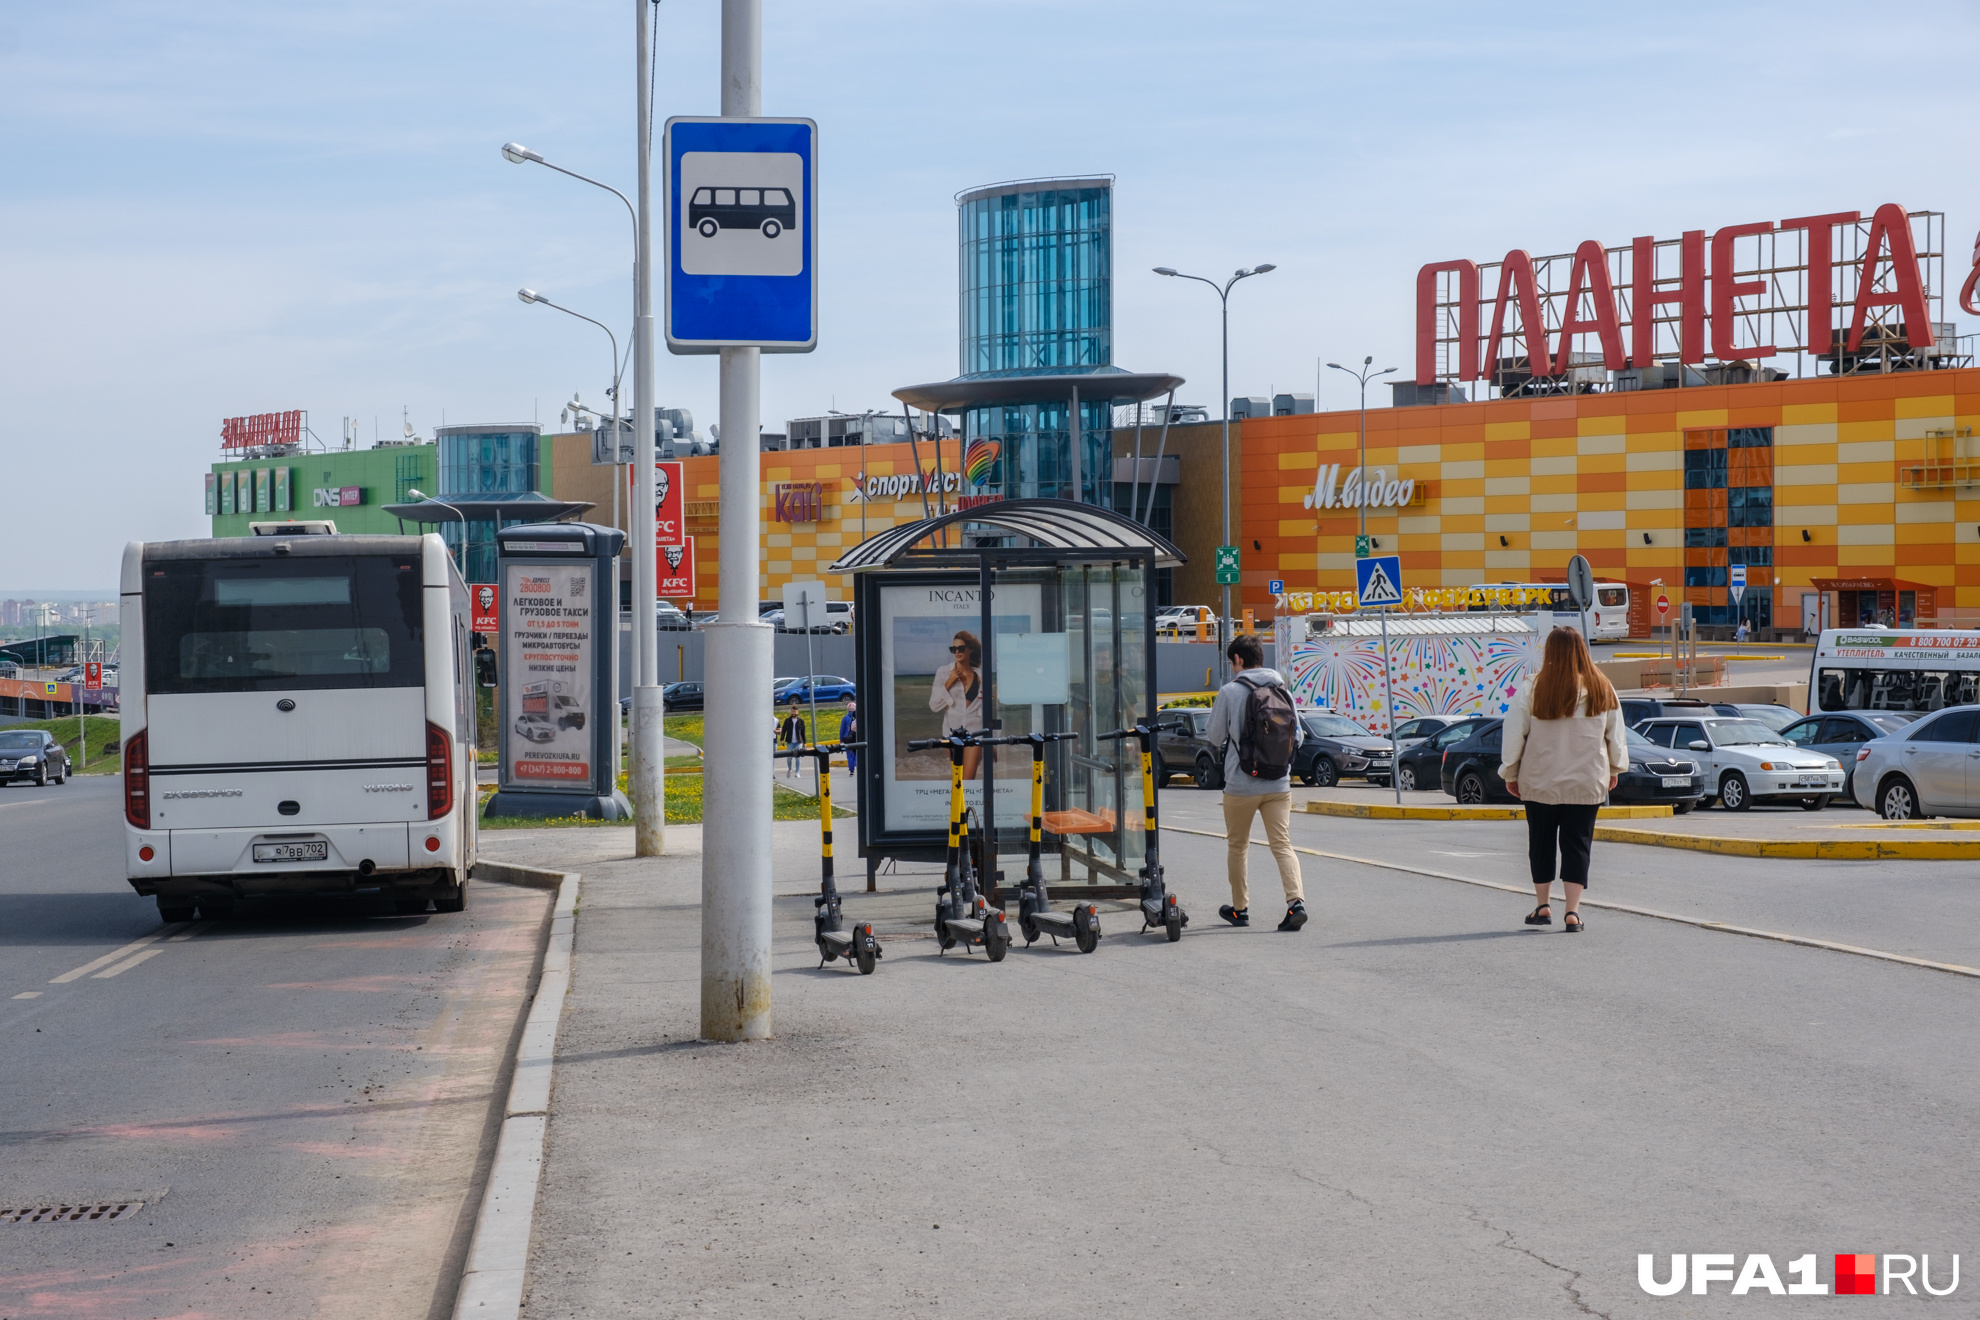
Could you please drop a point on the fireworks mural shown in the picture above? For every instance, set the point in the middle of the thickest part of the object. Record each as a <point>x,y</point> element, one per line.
<point>1438,674</point>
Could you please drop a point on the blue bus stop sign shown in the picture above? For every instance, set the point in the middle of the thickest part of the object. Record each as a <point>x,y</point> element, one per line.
<point>741,235</point>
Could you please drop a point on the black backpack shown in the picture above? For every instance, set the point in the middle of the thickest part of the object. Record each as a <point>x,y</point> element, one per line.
<point>1267,732</point>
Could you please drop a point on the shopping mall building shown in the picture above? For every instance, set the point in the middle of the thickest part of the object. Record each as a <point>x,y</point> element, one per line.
<point>1671,409</point>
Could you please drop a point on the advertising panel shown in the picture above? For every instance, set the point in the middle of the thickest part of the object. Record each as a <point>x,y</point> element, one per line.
<point>282,504</point>
<point>674,576</point>
<point>484,611</point>
<point>227,491</point>
<point>264,490</point>
<point>212,493</point>
<point>669,505</point>
<point>547,673</point>
<point>932,680</point>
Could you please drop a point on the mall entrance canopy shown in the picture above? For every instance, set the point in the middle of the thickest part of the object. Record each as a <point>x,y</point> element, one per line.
<point>1035,616</point>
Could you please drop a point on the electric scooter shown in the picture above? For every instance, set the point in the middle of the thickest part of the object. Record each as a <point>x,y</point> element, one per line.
<point>858,945</point>
<point>1035,914</point>
<point>961,914</point>
<point>1159,908</point>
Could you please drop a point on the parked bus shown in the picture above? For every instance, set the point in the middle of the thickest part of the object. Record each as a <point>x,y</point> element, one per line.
<point>1879,668</point>
<point>1608,616</point>
<point>298,717</point>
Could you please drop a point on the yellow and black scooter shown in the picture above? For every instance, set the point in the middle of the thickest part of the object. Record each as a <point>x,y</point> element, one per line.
<point>1159,908</point>
<point>1035,914</point>
<point>858,945</point>
<point>961,914</point>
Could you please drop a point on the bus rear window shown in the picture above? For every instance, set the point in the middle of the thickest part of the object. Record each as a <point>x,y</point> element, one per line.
<point>250,625</point>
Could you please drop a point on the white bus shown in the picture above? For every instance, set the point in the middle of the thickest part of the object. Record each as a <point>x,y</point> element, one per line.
<point>298,717</point>
<point>1608,617</point>
<point>1893,669</point>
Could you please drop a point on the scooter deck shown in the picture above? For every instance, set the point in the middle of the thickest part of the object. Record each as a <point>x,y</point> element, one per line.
<point>964,926</point>
<point>1057,921</point>
<point>838,938</point>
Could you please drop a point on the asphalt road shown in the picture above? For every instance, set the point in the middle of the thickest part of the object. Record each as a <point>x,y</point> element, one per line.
<point>299,1097</point>
<point>1416,1107</point>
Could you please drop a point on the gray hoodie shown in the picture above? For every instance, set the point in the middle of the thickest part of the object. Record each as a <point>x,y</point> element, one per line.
<point>1227,719</point>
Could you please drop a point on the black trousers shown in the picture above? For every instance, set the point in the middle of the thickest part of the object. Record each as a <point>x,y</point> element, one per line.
<point>1566,828</point>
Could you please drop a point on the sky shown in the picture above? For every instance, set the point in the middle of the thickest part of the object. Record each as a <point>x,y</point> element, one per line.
<point>231,207</point>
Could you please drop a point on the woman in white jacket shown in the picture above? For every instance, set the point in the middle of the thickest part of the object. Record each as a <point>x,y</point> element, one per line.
<point>957,695</point>
<point>1563,751</point>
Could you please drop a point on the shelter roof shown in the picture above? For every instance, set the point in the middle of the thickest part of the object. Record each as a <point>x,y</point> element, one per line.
<point>1049,524</point>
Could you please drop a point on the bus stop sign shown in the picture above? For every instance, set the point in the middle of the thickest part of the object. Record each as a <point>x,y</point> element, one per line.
<point>1738,582</point>
<point>741,235</point>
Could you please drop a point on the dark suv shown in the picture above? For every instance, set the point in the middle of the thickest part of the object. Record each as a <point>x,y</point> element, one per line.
<point>1183,748</point>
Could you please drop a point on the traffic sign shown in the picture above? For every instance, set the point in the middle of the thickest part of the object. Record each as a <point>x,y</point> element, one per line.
<point>1663,603</point>
<point>1277,587</point>
<point>1361,547</point>
<point>1581,582</point>
<point>1738,582</point>
<point>741,235</point>
<point>1227,565</point>
<point>1378,581</point>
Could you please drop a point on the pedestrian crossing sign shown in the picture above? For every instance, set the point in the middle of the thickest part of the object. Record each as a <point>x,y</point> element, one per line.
<point>1378,580</point>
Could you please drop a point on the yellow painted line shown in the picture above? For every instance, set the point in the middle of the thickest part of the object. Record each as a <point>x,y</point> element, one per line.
<point>1377,811</point>
<point>1804,941</point>
<point>1828,850</point>
<point>1913,825</point>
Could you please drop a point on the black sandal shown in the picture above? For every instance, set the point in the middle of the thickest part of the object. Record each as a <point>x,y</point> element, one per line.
<point>1541,916</point>
<point>1571,924</point>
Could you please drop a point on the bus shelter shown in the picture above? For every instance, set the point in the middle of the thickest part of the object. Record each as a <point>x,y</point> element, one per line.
<point>1018,616</point>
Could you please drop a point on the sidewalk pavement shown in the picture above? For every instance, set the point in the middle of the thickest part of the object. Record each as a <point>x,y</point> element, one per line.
<point>1416,1107</point>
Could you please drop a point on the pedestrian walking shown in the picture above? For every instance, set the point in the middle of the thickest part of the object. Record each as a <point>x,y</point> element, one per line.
<point>1742,634</point>
<point>849,733</point>
<point>792,734</point>
<point>1254,721</point>
<point>1563,750</point>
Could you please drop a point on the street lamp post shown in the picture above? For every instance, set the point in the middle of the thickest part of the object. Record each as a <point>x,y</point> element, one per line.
<point>460,561</point>
<point>1364,376</point>
<point>648,765</point>
<point>532,296</point>
<point>1224,302</point>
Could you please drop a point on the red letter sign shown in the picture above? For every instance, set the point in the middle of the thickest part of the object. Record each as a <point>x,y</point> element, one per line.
<point>1725,289</point>
<point>1426,320</point>
<point>1593,263</point>
<point>1892,227</point>
<point>1516,279</point>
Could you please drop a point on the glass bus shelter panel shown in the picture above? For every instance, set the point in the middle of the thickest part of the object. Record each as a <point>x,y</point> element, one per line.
<point>1106,626</point>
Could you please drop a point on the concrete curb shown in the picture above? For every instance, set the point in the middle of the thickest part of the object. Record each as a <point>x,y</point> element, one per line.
<point>498,1256</point>
<point>1830,850</point>
<point>1806,942</point>
<point>1376,811</point>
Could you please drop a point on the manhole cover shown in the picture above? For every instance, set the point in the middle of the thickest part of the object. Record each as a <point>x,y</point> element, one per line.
<point>70,1212</point>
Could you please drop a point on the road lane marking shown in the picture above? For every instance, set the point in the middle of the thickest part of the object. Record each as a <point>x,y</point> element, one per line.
<point>77,973</point>
<point>129,963</point>
<point>1806,942</point>
<point>187,933</point>
<point>29,994</point>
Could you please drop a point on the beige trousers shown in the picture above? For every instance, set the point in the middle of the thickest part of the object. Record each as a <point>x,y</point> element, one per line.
<point>1276,809</point>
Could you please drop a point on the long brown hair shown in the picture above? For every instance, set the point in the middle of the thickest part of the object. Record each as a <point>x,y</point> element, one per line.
<point>1566,671</point>
<point>972,649</point>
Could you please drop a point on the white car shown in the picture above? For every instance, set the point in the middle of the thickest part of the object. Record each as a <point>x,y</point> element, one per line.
<point>1742,761</point>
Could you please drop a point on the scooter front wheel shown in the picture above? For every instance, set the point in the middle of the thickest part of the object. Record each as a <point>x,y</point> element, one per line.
<point>1173,922</point>
<point>866,949</point>
<point>996,939</point>
<point>1086,933</point>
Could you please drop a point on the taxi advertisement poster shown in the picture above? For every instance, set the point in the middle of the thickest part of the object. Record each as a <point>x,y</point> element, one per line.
<point>547,674</point>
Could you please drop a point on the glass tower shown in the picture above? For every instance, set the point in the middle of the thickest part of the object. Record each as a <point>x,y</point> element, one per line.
<point>1036,284</point>
<point>481,463</point>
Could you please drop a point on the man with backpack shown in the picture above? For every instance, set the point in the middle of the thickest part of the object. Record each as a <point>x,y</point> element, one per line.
<point>1253,719</point>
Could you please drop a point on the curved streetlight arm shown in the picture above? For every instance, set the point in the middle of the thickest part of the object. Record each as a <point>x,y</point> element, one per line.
<point>535,159</point>
<point>539,298</point>
<point>461,554</point>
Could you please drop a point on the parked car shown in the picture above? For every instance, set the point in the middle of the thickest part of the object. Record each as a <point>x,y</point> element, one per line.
<point>1418,764</point>
<point>1743,761</point>
<point>1773,714</point>
<point>1182,747</point>
<point>1638,709</point>
<point>777,685</point>
<point>682,696</point>
<point>1658,776</point>
<point>821,687</point>
<point>1842,733</point>
<point>32,755</point>
<point>838,618</point>
<point>1336,748</point>
<point>1411,732</point>
<point>1181,620</point>
<point>669,618</point>
<point>1924,769</point>
<point>1469,770</point>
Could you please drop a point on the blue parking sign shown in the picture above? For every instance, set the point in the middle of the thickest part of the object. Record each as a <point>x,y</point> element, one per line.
<point>1278,587</point>
<point>1378,580</point>
<point>741,235</point>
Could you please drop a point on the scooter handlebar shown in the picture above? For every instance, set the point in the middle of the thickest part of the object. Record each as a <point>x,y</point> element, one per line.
<point>968,738</point>
<point>1017,738</point>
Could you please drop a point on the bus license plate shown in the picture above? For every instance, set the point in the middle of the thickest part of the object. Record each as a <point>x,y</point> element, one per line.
<point>1677,781</point>
<point>292,852</point>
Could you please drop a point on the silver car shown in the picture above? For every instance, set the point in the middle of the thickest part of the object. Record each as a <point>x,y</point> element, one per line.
<point>1931,768</point>
<point>1743,761</point>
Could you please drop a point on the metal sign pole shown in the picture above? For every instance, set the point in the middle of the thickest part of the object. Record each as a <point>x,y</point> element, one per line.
<point>736,836</point>
<point>1389,695</point>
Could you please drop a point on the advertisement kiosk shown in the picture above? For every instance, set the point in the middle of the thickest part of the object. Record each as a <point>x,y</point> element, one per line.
<point>558,591</point>
<point>1021,616</point>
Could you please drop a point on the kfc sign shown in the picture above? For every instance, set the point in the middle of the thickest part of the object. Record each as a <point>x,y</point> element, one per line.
<point>484,609</point>
<point>675,574</point>
<point>1742,293</point>
<point>338,497</point>
<point>669,505</point>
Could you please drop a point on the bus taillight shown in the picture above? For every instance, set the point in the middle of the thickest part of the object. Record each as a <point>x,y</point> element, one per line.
<point>439,771</point>
<point>137,781</point>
